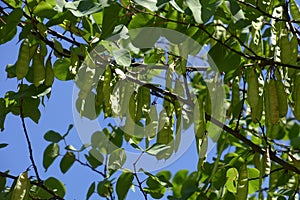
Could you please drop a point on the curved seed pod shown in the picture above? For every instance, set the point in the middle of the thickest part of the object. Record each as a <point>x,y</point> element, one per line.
<point>202,145</point>
<point>252,92</point>
<point>152,123</point>
<point>236,105</point>
<point>49,75</point>
<point>130,117</point>
<point>143,102</point>
<point>38,69</point>
<point>272,102</point>
<point>256,112</point>
<point>282,99</point>
<point>296,94</point>
<point>208,106</point>
<point>22,65</point>
<point>99,97</point>
<point>199,119</point>
<point>106,94</point>
<point>242,190</point>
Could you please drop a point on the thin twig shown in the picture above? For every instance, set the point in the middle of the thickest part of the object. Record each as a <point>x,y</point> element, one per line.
<point>28,142</point>
<point>137,177</point>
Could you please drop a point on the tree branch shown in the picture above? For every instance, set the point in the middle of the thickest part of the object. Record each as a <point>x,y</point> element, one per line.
<point>28,142</point>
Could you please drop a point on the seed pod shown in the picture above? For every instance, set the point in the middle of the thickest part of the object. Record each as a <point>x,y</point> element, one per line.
<point>38,69</point>
<point>199,119</point>
<point>99,97</point>
<point>22,187</point>
<point>242,190</point>
<point>256,112</point>
<point>296,94</point>
<point>106,94</point>
<point>236,105</point>
<point>271,101</point>
<point>49,75</point>
<point>282,99</point>
<point>252,92</point>
<point>22,65</point>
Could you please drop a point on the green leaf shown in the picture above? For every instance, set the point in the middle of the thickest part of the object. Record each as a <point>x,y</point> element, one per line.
<point>21,188</point>
<point>123,57</point>
<point>232,177</point>
<point>67,161</point>
<point>123,184</point>
<point>3,113</point>
<point>224,59</point>
<point>44,10</point>
<point>61,69</point>
<point>50,153</point>
<point>177,182</point>
<point>9,29</point>
<point>95,158</point>
<point>14,3</point>
<point>295,10</point>
<point>91,190</point>
<point>52,136</point>
<point>30,109</point>
<point>156,149</point>
<point>116,160</point>
<point>149,4</point>
<point>82,8</point>
<point>104,188</point>
<point>54,185</point>
<point>196,8</point>
<point>2,145</point>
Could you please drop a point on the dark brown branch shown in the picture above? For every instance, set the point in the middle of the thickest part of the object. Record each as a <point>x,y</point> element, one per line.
<point>254,147</point>
<point>89,166</point>
<point>28,142</point>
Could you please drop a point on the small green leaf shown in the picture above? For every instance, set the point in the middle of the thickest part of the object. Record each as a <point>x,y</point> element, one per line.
<point>9,30</point>
<point>52,136</point>
<point>116,160</point>
<point>50,153</point>
<point>56,186</point>
<point>70,148</point>
<point>67,161</point>
<point>225,59</point>
<point>61,69</point>
<point>294,10</point>
<point>232,177</point>
<point>123,184</point>
<point>2,145</point>
<point>44,10</point>
<point>123,57</point>
<point>149,4</point>
<point>95,158</point>
<point>157,149</point>
<point>91,190</point>
<point>195,7</point>
<point>104,188</point>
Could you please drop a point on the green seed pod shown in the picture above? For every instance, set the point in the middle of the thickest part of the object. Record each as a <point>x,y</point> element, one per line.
<point>272,102</point>
<point>199,119</point>
<point>282,99</point>
<point>252,92</point>
<point>242,190</point>
<point>22,65</point>
<point>49,75</point>
<point>236,105</point>
<point>106,95</point>
<point>256,112</point>
<point>296,94</point>
<point>38,69</point>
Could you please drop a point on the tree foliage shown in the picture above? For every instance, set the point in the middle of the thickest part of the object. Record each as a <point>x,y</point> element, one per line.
<point>253,46</point>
